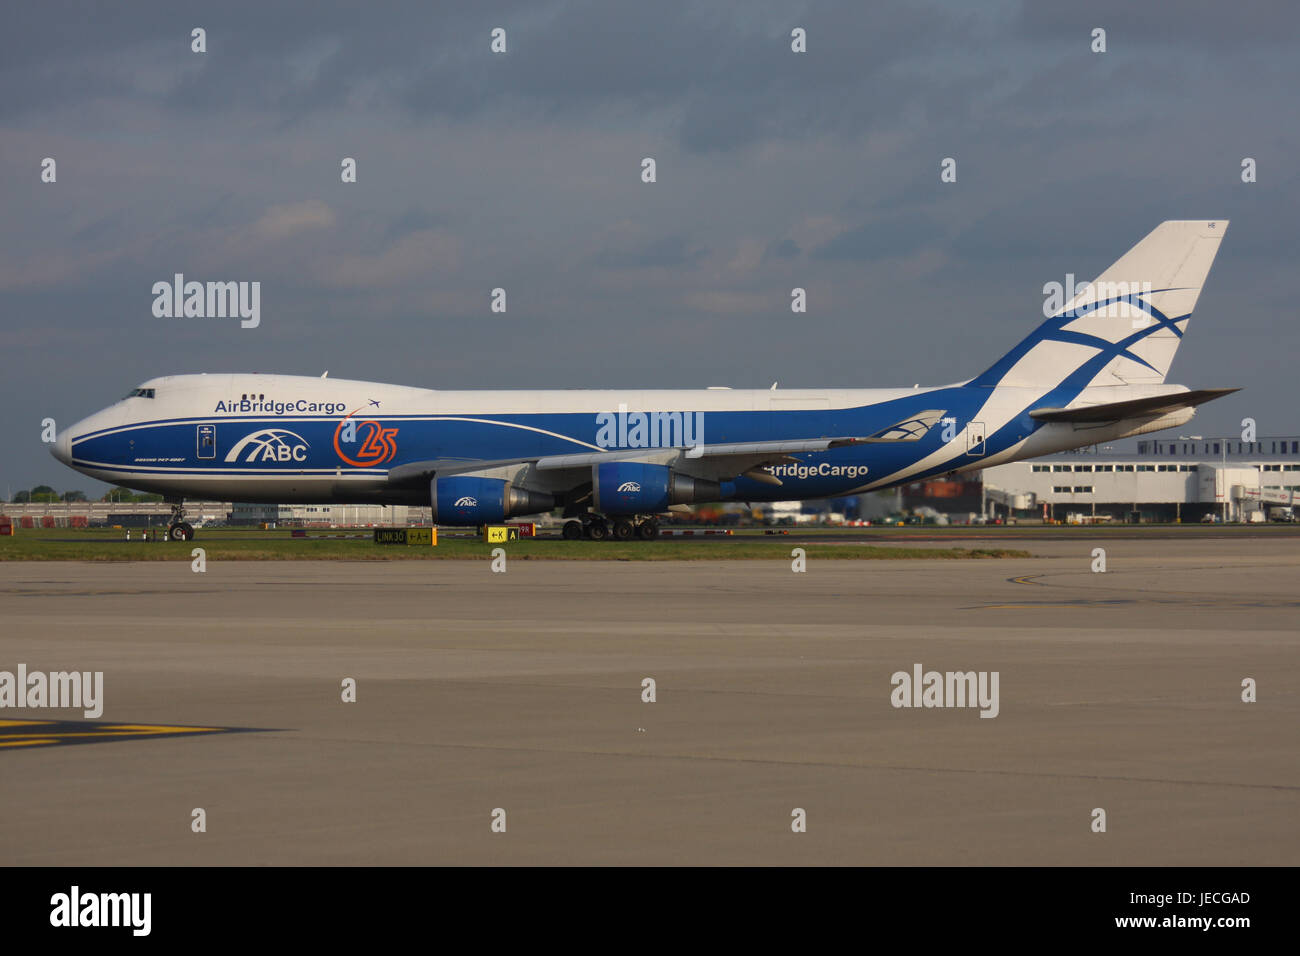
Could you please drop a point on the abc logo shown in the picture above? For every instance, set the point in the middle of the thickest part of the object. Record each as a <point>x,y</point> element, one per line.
<point>270,444</point>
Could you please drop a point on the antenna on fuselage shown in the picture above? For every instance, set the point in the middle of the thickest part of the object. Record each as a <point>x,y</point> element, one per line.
<point>325,374</point>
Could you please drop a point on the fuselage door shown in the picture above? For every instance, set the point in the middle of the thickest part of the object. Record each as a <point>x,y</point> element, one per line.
<point>207,441</point>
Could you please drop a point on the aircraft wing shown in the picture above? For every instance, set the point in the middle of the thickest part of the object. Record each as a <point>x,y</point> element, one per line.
<point>415,471</point>
<point>735,456</point>
<point>1133,408</point>
<point>759,449</point>
<point>725,459</point>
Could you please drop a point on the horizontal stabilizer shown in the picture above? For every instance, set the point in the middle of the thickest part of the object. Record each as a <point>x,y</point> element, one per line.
<point>1134,408</point>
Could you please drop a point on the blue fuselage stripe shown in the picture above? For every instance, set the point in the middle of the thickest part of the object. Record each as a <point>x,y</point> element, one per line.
<point>169,448</point>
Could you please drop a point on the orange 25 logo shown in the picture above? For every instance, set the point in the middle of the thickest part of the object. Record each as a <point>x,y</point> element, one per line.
<point>377,444</point>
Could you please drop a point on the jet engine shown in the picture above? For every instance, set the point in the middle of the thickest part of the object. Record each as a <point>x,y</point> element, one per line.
<point>473,500</point>
<point>629,487</point>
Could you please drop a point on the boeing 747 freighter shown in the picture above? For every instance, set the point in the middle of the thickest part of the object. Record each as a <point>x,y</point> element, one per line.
<point>615,460</point>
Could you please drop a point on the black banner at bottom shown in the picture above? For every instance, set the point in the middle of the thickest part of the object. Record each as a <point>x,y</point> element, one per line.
<point>976,906</point>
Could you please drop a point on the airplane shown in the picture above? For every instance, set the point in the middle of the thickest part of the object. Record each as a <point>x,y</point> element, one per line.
<point>615,461</point>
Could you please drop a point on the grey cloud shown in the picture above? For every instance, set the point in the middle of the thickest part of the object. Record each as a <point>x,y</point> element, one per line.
<point>886,238</point>
<point>521,171</point>
<point>656,253</point>
<point>781,249</point>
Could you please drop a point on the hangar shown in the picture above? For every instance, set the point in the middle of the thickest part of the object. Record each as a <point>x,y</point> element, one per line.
<point>1165,479</point>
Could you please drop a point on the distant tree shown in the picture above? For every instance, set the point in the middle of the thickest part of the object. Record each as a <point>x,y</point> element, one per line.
<point>74,496</point>
<point>43,493</point>
<point>22,497</point>
<point>120,495</point>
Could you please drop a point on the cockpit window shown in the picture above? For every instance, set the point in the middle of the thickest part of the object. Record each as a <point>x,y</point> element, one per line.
<point>140,393</point>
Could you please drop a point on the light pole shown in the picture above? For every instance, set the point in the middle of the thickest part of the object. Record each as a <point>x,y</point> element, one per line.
<point>1223,476</point>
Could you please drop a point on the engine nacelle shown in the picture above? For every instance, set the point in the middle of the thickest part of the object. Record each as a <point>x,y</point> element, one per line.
<point>631,487</point>
<point>473,500</point>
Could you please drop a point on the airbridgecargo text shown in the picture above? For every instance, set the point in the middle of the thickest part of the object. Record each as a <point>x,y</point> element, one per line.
<point>279,408</point>
<point>823,470</point>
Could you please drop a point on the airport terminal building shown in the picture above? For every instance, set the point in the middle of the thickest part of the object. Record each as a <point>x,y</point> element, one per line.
<point>1165,479</point>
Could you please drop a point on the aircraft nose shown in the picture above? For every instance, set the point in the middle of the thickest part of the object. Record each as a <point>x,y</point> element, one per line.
<point>62,447</point>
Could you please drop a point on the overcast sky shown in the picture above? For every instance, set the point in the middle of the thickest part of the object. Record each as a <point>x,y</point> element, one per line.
<point>522,170</point>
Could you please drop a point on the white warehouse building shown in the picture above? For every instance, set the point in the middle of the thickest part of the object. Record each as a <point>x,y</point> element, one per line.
<point>1163,480</point>
<point>330,516</point>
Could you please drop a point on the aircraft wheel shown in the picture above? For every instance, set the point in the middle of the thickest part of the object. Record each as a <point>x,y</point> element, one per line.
<point>572,530</point>
<point>623,530</point>
<point>598,531</point>
<point>648,530</point>
<point>181,531</point>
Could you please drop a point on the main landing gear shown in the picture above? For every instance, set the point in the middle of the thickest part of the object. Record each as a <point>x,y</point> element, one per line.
<point>598,528</point>
<point>178,529</point>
